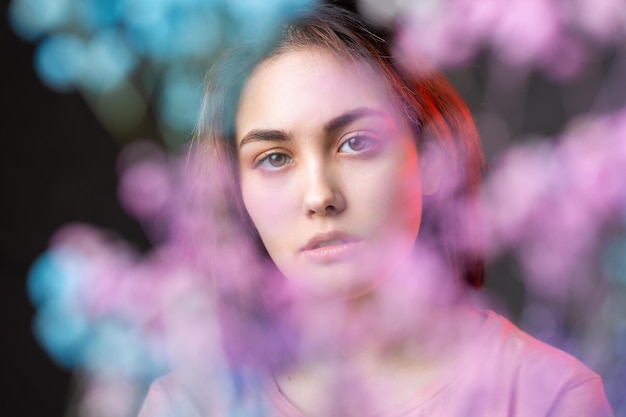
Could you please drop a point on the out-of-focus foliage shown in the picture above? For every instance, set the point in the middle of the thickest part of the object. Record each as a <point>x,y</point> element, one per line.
<point>141,54</point>
<point>557,206</point>
<point>549,35</point>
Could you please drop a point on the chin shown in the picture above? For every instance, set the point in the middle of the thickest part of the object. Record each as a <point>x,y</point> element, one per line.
<point>342,283</point>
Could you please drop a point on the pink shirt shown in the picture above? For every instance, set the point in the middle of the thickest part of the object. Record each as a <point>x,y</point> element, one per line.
<point>503,373</point>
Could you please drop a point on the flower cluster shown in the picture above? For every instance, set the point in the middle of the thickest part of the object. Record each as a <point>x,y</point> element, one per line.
<point>549,35</point>
<point>143,53</point>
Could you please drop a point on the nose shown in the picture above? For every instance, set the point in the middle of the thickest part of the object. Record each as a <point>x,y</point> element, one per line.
<point>322,193</point>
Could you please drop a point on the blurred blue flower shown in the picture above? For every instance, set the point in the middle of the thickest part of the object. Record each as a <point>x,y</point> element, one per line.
<point>32,18</point>
<point>63,332</point>
<point>117,346</point>
<point>180,98</point>
<point>59,61</point>
<point>76,335</point>
<point>55,277</point>
<point>97,45</point>
<point>95,15</point>
<point>107,61</point>
<point>54,286</point>
<point>615,260</point>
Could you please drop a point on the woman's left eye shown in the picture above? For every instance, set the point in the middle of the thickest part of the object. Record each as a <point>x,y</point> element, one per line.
<point>357,144</point>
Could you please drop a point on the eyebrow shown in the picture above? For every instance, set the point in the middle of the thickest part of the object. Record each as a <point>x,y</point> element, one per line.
<point>351,116</point>
<point>261,135</point>
<point>330,126</point>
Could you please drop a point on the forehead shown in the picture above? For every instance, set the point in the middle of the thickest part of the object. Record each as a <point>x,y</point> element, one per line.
<point>305,88</point>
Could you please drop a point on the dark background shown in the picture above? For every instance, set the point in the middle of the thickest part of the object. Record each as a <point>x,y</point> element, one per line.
<point>57,165</point>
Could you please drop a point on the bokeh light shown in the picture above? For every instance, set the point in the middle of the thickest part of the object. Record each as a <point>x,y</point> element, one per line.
<point>556,205</point>
<point>32,18</point>
<point>546,35</point>
<point>59,61</point>
<point>159,49</point>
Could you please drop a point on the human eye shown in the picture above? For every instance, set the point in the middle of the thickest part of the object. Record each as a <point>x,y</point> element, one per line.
<point>272,161</point>
<point>360,143</point>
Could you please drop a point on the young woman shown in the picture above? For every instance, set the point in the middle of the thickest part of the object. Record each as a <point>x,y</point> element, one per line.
<point>342,250</point>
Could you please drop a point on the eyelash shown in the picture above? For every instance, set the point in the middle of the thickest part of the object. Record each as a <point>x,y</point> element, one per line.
<point>266,158</point>
<point>371,146</point>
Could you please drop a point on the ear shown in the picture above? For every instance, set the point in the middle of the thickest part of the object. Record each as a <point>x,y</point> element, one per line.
<point>432,161</point>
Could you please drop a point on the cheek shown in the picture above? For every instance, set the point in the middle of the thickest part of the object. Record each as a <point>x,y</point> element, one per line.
<point>269,206</point>
<point>410,195</point>
<point>402,208</point>
<point>409,191</point>
<point>390,198</point>
<point>398,223</point>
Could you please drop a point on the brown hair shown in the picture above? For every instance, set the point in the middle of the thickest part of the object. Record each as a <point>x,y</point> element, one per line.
<point>432,108</point>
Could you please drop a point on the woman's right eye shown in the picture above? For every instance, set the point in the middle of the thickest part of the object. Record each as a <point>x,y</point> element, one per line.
<point>273,161</point>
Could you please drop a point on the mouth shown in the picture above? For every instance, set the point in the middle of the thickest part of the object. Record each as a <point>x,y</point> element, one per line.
<point>331,242</point>
<point>326,247</point>
<point>322,240</point>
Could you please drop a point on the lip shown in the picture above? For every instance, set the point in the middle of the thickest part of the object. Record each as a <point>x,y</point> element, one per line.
<point>330,246</point>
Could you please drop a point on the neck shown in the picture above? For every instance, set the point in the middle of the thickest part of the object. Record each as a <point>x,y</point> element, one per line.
<point>400,317</point>
<point>387,341</point>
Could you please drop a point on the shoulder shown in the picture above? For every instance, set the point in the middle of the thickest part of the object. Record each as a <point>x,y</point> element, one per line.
<point>538,376</point>
<point>530,357</point>
<point>166,398</point>
<point>194,394</point>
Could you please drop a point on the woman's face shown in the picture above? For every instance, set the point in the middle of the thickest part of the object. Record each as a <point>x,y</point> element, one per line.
<point>329,172</point>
